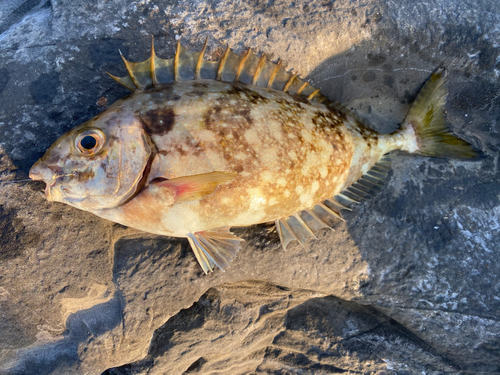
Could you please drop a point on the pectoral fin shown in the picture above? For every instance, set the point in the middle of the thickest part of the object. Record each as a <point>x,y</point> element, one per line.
<point>189,187</point>
<point>215,247</point>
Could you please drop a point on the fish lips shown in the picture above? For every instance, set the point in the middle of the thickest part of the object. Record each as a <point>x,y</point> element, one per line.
<point>41,172</point>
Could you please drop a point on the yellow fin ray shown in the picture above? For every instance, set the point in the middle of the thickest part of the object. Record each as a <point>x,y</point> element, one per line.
<point>241,65</point>
<point>289,82</point>
<point>426,119</point>
<point>187,62</point>
<point>258,70</point>
<point>124,81</point>
<point>188,65</point>
<point>199,63</point>
<point>280,79</point>
<point>140,72</point>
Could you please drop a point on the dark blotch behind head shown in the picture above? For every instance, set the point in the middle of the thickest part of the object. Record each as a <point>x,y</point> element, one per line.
<point>158,121</point>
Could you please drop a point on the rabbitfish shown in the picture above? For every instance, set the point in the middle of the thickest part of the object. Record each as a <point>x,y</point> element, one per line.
<point>202,146</point>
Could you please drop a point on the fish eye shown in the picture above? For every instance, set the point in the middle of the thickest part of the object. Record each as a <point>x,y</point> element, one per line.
<point>89,142</point>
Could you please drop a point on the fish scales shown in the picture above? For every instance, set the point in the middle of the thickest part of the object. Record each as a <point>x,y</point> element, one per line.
<point>192,158</point>
<point>288,154</point>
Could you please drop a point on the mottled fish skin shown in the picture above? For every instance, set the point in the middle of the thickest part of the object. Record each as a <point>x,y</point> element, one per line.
<point>105,179</point>
<point>289,154</point>
<point>191,155</point>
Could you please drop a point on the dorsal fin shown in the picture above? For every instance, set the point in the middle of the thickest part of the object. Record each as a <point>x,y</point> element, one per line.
<point>187,65</point>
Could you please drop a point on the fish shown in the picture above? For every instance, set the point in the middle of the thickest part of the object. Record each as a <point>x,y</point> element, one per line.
<point>200,147</point>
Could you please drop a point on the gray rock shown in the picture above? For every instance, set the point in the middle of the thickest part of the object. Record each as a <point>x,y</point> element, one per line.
<point>409,283</point>
<point>272,329</point>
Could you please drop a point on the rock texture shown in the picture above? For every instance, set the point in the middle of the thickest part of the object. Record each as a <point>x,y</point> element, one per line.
<point>257,326</point>
<point>409,283</point>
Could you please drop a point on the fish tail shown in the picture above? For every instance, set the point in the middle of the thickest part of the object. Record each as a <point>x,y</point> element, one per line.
<point>425,122</point>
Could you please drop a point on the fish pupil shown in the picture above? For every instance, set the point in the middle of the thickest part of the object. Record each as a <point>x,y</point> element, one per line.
<point>88,142</point>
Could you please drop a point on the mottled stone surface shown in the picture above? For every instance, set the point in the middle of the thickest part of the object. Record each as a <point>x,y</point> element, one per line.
<point>409,283</point>
<point>255,326</point>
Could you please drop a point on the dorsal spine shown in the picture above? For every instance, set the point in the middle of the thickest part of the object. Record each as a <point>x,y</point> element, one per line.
<point>248,69</point>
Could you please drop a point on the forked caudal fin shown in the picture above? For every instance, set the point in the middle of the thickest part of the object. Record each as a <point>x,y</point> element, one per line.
<point>426,120</point>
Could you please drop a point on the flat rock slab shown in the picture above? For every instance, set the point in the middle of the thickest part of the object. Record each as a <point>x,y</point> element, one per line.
<point>410,282</point>
<point>272,329</point>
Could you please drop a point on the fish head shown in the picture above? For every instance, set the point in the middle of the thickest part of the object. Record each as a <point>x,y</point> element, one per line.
<point>97,165</point>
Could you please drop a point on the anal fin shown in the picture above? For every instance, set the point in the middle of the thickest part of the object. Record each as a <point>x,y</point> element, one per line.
<point>369,184</point>
<point>215,247</point>
<point>304,224</point>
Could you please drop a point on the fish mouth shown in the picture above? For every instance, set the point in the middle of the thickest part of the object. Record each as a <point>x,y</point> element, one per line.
<point>41,172</point>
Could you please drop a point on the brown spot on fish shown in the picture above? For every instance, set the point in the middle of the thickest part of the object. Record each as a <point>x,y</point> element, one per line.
<point>237,114</point>
<point>84,175</point>
<point>162,94</point>
<point>246,93</point>
<point>216,109</point>
<point>180,150</point>
<point>195,93</point>
<point>319,119</point>
<point>300,98</point>
<point>340,115</point>
<point>368,135</point>
<point>200,84</point>
<point>158,121</point>
<point>238,121</point>
<point>104,167</point>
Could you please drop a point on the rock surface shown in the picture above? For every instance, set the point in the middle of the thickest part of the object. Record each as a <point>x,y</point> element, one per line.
<point>409,283</point>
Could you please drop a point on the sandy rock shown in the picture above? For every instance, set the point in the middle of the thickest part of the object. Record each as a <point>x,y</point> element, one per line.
<point>256,326</point>
<point>410,282</point>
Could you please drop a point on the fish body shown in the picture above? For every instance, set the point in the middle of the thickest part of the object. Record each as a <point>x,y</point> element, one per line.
<point>192,158</point>
<point>288,154</point>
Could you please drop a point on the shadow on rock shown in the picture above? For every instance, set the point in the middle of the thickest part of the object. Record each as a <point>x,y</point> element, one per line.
<point>63,355</point>
<point>269,328</point>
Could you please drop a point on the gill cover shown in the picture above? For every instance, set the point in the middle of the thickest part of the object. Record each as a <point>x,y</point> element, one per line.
<point>98,164</point>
